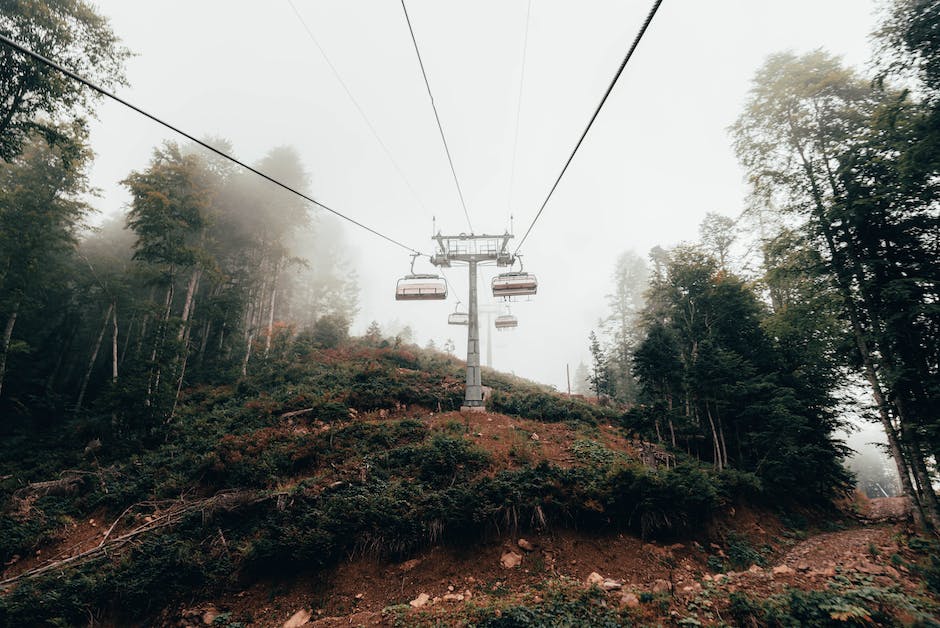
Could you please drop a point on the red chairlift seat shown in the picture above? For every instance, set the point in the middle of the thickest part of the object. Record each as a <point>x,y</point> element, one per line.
<point>514,284</point>
<point>421,288</point>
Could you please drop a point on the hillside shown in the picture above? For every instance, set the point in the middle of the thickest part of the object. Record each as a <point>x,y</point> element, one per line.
<point>341,483</point>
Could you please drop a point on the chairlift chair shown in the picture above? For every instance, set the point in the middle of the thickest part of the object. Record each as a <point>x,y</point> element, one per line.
<point>458,318</point>
<point>418,287</point>
<point>421,288</point>
<point>514,285</point>
<point>506,321</point>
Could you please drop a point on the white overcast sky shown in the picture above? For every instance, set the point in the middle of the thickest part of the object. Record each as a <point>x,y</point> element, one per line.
<point>657,159</point>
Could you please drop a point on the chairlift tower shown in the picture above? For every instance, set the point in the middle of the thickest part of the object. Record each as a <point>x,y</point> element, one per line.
<point>472,249</point>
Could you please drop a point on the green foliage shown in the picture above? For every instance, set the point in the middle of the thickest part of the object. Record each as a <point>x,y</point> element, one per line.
<point>715,564</point>
<point>842,604</point>
<point>553,408</point>
<point>715,383</point>
<point>74,34</point>
<point>594,453</point>
<point>561,606</point>
<point>741,553</point>
<point>928,563</point>
<point>329,332</point>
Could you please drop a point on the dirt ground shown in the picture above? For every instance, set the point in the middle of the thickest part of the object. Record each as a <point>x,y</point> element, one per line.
<point>359,590</point>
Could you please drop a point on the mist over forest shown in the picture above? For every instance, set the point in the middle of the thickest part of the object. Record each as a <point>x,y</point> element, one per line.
<point>228,374</point>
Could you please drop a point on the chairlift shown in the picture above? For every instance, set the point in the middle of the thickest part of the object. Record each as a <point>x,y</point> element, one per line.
<point>506,321</point>
<point>515,284</point>
<point>420,287</point>
<point>457,317</point>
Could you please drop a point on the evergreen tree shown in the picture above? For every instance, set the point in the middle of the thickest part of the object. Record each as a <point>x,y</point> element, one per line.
<point>42,205</point>
<point>843,158</point>
<point>34,97</point>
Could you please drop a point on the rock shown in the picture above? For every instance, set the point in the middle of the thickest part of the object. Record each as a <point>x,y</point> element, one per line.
<point>629,600</point>
<point>509,560</point>
<point>595,579</point>
<point>718,578</point>
<point>359,596</point>
<point>526,545</point>
<point>450,588</point>
<point>298,619</point>
<point>783,570</point>
<point>891,571</point>
<point>661,586</point>
<point>802,567</point>
<point>453,597</point>
<point>755,569</point>
<point>420,601</point>
<point>209,616</point>
<point>611,585</point>
<point>534,436</point>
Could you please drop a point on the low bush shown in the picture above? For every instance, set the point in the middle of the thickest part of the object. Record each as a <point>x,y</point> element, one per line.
<point>842,604</point>
<point>543,406</point>
<point>568,606</point>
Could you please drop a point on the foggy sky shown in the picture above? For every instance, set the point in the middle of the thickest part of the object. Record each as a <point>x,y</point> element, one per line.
<point>657,159</point>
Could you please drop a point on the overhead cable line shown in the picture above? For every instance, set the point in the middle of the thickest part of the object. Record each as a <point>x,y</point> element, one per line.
<point>515,142</point>
<point>437,117</point>
<point>362,113</point>
<point>597,110</point>
<point>52,64</point>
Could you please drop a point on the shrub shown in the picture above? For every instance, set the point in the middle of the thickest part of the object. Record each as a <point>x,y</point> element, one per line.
<point>548,407</point>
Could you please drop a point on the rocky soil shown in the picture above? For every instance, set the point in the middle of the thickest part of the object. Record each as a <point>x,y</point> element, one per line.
<point>658,583</point>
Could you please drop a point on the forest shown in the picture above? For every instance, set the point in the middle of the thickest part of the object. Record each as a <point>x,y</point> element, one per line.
<point>186,371</point>
<point>753,362</point>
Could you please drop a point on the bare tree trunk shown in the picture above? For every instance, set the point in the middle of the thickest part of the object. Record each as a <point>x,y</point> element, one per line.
<point>206,329</point>
<point>715,443</point>
<point>153,381</point>
<point>251,338</point>
<point>672,429</point>
<point>7,335</point>
<point>187,304</point>
<point>922,476</point>
<point>91,360</point>
<point>143,324</point>
<point>868,365</point>
<point>127,339</point>
<point>114,343</point>
<point>267,341</point>
<point>179,383</point>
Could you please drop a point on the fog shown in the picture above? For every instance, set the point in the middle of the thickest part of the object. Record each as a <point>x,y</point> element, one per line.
<point>657,159</point>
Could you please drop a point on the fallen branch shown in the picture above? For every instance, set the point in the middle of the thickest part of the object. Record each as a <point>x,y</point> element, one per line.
<point>63,486</point>
<point>288,415</point>
<point>227,501</point>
